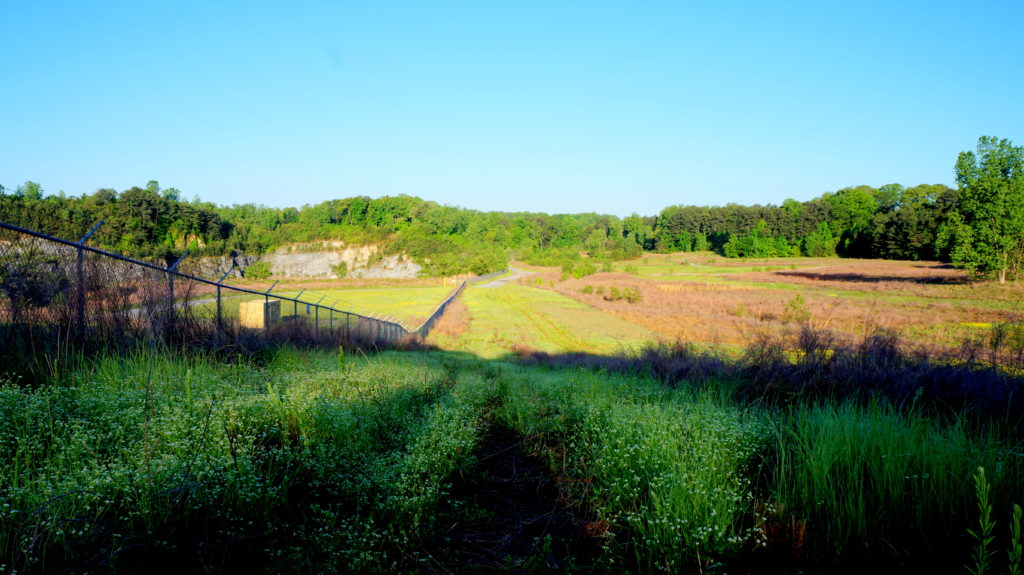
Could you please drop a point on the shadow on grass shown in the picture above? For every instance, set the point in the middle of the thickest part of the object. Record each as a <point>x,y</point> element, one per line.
<point>983,380</point>
<point>868,278</point>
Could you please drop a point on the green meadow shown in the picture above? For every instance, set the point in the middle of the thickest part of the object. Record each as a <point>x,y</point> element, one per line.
<point>531,433</point>
<point>504,320</point>
<point>409,306</point>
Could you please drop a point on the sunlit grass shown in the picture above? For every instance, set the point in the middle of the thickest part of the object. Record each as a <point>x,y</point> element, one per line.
<point>409,306</point>
<point>503,320</point>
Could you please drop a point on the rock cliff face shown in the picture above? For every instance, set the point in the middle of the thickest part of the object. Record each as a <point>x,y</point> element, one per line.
<point>214,267</point>
<point>320,260</point>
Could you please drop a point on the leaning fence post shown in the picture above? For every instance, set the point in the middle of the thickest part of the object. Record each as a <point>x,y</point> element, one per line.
<point>81,281</point>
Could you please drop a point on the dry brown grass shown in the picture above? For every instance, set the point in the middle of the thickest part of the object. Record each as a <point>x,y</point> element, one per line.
<point>926,303</point>
<point>455,320</point>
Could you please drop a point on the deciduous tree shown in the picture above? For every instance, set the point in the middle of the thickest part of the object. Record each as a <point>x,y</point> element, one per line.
<point>987,224</point>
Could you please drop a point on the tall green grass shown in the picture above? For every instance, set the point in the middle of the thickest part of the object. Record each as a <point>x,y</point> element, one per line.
<point>667,471</point>
<point>316,461</point>
<point>880,484</point>
<point>187,463</point>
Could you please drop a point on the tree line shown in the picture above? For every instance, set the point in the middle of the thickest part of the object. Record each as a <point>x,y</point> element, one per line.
<point>978,226</point>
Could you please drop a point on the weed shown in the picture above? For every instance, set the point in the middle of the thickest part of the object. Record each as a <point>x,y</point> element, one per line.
<point>796,310</point>
<point>1016,551</point>
<point>983,553</point>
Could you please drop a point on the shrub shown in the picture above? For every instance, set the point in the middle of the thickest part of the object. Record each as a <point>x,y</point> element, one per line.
<point>796,310</point>
<point>583,269</point>
<point>258,271</point>
<point>632,295</point>
<point>34,281</point>
<point>340,270</point>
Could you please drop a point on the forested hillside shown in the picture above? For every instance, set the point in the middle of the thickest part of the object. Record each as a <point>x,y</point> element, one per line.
<point>893,222</point>
<point>889,222</point>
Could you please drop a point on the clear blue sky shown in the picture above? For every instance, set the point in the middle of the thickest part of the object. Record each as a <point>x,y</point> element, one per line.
<point>613,107</point>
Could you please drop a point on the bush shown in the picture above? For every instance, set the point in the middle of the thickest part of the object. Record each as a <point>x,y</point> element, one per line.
<point>258,271</point>
<point>340,270</point>
<point>796,311</point>
<point>35,282</point>
<point>631,295</point>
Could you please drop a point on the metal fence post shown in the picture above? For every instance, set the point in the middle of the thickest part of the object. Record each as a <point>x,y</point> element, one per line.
<point>220,321</point>
<point>81,298</point>
<point>295,303</point>
<point>170,303</point>
<point>316,318</point>
<point>81,281</point>
<point>266,304</point>
<point>171,271</point>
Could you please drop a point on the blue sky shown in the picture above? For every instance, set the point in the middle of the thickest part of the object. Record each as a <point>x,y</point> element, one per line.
<point>613,107</point>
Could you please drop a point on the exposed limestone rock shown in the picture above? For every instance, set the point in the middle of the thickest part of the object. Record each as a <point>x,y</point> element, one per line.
<point>320,260</point>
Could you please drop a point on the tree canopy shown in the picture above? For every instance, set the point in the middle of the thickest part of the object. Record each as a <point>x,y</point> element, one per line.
<point>986,227</point>
<point>978,226</point>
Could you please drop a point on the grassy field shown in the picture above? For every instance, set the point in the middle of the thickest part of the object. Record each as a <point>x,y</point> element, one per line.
<point>492,322</point>
<point>307,461</point>
<point>709,299</point>
<point>409,305</point>
<point>541,429</point>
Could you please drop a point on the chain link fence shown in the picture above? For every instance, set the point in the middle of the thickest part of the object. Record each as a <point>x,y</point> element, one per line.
<point>61,292</point>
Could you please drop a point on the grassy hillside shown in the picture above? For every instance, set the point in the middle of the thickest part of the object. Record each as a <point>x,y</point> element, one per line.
<point>493,322</point>
<point>806,417</point>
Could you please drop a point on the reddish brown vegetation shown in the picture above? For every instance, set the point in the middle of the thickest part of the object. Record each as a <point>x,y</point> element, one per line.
<point>925,303</point>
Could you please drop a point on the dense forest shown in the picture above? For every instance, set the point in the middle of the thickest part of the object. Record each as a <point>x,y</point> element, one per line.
<point>893,221</point>
<point>888,222</point>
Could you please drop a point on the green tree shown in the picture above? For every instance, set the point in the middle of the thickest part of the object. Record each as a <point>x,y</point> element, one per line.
<point>258,271</point>
<point>987,223</point>
<point>852,209</point>
<point>30,190</point>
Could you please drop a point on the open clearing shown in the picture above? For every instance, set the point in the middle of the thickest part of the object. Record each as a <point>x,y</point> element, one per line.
<point>478,455</point>
<point>704,298</point>
<point>517,318</point>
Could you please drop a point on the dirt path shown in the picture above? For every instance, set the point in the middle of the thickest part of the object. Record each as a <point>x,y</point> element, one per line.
<point>516,275</point>
<point>512,518</point>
